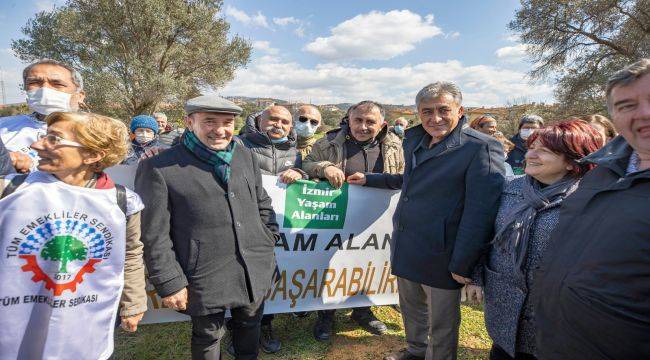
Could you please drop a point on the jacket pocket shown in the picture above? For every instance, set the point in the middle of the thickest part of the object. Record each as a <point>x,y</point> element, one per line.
<point>193,256</point>
<point>251,191</point>
<point>437,237</point>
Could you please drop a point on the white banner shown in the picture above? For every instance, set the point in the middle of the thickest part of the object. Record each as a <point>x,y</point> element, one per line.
<point>334,250</point>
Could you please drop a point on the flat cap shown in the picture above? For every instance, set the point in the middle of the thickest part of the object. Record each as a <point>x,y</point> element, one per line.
<point>211,103</point>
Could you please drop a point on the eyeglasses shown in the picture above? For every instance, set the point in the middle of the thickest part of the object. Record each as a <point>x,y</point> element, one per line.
<point>311,121</point>
<point>54,140</point>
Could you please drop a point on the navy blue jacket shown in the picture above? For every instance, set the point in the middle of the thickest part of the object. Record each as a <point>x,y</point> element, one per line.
<point>445,215</point>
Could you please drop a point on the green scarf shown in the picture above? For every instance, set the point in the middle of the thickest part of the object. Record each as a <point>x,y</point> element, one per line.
<point>219,159</point>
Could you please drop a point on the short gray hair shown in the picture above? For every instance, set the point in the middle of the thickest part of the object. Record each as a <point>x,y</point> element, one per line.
<point>77,80</point>
<point>531,119</point>
<point>437,89</point>
<point>159,114</point>
<point>626,76</point>
<point>370,105</point>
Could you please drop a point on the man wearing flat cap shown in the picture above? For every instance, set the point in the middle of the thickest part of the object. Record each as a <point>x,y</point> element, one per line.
<point>204,251</point>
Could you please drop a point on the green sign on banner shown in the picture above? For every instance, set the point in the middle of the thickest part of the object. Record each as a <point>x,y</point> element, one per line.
<point>315,205</point>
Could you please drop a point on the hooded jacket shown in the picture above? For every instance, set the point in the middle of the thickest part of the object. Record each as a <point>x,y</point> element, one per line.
<point>592,291</point>
<point>272,158</point>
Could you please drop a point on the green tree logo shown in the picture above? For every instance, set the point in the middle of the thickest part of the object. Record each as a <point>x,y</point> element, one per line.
<point>64,248</point>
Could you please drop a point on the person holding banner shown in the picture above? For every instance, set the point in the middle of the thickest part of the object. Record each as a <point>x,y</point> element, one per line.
<point>209,229</point>
<point>70,245</point>
<point>306,120</point>
<point>270,137</point>
<point>362,144</point>
<point>444,218</point>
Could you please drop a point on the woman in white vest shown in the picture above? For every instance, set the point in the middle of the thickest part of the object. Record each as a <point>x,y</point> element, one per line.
<point>70,250</point>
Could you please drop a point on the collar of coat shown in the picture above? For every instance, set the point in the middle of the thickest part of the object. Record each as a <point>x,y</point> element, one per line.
<point>615,156</point>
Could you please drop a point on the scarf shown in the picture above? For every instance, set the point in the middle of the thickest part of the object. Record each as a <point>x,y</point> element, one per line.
<point>219,159</point>
<point>513,236</point>
<point>305,142</point>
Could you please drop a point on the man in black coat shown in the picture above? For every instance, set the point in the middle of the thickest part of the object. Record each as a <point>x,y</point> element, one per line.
<point>269,136</point>
<point>204,251</point>
<point>444,218</point>
<point>593,289</point>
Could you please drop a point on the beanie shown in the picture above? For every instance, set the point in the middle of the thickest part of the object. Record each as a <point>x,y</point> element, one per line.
<point>144,121</point>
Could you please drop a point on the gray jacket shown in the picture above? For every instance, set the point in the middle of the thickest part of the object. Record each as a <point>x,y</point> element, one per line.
<point>272,158</point>
<point>216,241</point>
<point>508,312</point>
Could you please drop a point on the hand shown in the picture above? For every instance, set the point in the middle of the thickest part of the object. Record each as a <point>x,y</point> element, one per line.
<point>474,293</point>
<point>176,301</point>
<point>461,279</point>
<point>290,176</point>
<point>357,178</point>
<point>335,176</point>
<point>151,152</point>
<point>130,323</point>
<point>20,161</point>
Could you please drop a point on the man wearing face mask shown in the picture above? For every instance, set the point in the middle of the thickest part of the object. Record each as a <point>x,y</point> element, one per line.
<point>306,121</point>
<point>51,86</point>
<point>362,144</point>
<point>400,126</point>
<point>527,125</point>
<point>144,130</point>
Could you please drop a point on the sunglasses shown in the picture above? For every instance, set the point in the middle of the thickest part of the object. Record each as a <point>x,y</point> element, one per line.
<point>303,119</point>
<point>54,140</point>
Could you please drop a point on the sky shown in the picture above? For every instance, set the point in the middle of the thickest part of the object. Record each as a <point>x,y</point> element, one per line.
<point>337,51</point>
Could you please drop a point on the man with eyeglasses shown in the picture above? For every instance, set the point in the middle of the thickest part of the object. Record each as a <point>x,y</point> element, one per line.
<point>362,144</point>
<point>307,120</point>
<point>51,86</point>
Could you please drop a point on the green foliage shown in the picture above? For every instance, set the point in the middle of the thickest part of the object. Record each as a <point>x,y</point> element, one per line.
<point>64,248</point>
<point>14,110</point>
<point>331,119</point>
<point>136,55</point>
<point>581,43</point>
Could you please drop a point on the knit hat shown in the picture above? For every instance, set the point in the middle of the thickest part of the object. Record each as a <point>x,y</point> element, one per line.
<point>144,121</point>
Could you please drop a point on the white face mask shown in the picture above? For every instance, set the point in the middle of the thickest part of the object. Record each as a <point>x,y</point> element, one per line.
<point>144,137</point>
<point>304,129</point>
<point>46,101</point>
<point>525,133</point>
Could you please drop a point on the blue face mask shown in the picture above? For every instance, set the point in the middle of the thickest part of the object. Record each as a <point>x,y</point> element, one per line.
<point>399,130</point>
<point>280,141</point>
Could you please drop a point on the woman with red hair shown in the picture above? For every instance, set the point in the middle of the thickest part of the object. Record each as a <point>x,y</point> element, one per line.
<point>528,213</point>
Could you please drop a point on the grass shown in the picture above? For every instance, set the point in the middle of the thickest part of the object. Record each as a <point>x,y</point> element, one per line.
<point>172,341</point>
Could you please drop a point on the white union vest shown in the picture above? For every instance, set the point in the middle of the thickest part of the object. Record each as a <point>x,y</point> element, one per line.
<point>62,251</point>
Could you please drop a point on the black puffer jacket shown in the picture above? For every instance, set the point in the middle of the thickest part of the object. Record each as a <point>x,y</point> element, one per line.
<point>272,158</point>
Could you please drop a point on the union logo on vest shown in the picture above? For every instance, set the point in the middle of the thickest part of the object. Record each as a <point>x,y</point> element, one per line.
<point>61,247</point>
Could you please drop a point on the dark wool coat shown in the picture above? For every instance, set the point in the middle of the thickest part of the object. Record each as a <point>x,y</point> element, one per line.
<point>508,312</point>
<point>218,242</point>
<point>445,215</point>
<point>272,158</point>
<point>593,288</point>
<point>517,156</point>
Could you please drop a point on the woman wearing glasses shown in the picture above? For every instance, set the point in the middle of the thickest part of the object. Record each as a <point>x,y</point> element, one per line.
<point>70,250</point>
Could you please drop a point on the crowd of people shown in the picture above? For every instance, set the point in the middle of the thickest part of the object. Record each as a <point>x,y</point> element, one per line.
<point>550,228</point>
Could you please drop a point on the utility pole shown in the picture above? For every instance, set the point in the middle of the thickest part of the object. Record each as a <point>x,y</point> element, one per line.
<point>2,87</point>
